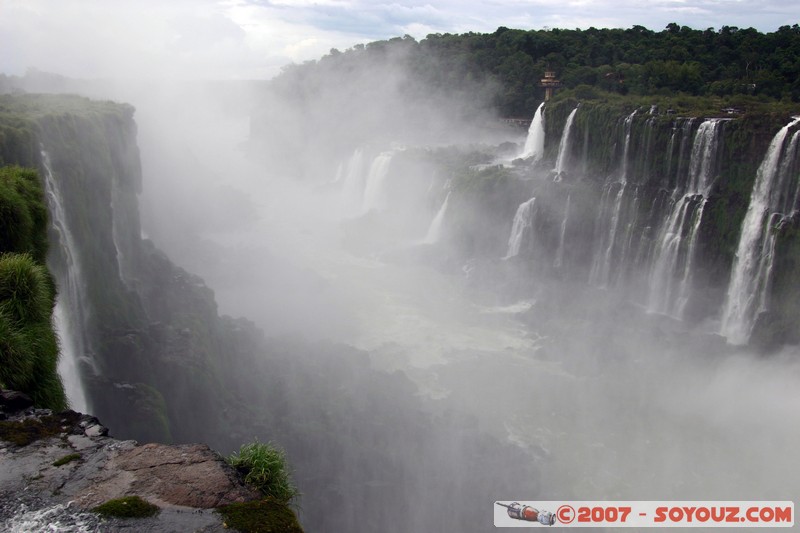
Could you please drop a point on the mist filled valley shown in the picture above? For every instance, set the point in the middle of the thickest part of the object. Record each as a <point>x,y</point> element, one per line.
<point>430,307</point>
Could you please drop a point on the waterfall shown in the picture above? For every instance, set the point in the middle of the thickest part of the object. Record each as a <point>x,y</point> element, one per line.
<point>376,197</point>
<point>435,229</point>
<point>686,140</point>
<point>123,266</point>
<point>339,173</point>
<point>601,266</point>
<point>627,240</point>
<point>563,147</point>
<point>352,193</point>
<point>559,261</point>
<point>649,127</point>
<point>785,201</point>
<point>670,149</point>
<point>752,265</point>
<point>702,158</point>
<point>534,143</point>
<point>793,205</point>
<point>627,127</point>
<point>606,232</point>
<point>69,314</point>
<point>677,239</point>
<point>115,238</point>
<point>523,220</point>
<point>685,288</point>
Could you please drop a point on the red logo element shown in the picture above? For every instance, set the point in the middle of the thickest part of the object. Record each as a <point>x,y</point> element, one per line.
<point>565,514</point>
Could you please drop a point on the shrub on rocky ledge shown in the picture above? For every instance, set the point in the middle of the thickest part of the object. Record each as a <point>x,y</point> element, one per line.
<point>264,468</point>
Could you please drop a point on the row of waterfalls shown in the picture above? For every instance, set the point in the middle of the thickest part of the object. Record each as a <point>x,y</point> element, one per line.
<point>656,229</point>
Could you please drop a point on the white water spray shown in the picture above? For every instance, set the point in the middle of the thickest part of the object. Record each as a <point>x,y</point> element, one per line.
<point>607,235</point>
<point>352,195</point>
<point>534,143</point>
<point>523,221</point>
<point>677,241</point>
<point>376,195</point>
<point>435,229</point>
<point>69,312</point>
<point>559,261</point>
<point>563,146</point>
<point>117,239</point>
<point>628,126</point>
<point>752,266</point>
<point>61,518</point>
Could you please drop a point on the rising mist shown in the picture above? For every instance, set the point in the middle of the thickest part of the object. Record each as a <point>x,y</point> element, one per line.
<point>356,202</point>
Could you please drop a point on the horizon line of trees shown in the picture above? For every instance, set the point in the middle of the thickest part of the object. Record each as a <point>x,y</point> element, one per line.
<point>639,61</point>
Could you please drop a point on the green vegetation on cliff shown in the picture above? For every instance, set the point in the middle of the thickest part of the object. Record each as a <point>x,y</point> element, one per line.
<point>28,343</point>
<point>264,467</point>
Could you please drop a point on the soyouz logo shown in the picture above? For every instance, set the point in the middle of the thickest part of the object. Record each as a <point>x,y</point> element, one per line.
<point>527,513</point>
<point>728,514</point>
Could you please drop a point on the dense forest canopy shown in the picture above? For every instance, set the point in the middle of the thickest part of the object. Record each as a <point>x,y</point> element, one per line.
<point>728,62</point>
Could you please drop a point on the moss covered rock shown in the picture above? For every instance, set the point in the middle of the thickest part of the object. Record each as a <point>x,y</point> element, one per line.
<point>127,507</point>
<point>263,516</point>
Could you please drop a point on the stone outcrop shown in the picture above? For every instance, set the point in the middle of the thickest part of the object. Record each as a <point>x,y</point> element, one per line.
<point>56,467</point>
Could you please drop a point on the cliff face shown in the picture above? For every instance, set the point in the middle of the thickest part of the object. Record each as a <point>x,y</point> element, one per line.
<point>160,365</point>
<point>650,204</point>
<point>148,330</point>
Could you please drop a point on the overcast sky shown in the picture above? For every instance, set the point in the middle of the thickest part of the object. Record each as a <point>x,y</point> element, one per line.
<point>241,39</point>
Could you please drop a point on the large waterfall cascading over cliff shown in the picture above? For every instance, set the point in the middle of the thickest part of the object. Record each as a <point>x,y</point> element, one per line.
<point>671,276</point>
<point>523,224</point>
<point>364,186</point>
<point>752,267</point>
<point>628,124</point>
<point>534,143</point>
<point>352,192</point>
<point>559,260</point>
<point>375,193</point>
<point>563,146</point>
<point>117,237</point>
<point>609,216</point>
<point>662,206</point>
<point>70,309</point>
<point>435,229</point>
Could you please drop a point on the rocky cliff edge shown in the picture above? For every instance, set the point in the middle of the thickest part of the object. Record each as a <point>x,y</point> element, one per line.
<point>56,467</point>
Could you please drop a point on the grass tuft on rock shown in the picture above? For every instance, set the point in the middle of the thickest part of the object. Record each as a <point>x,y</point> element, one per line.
<point>28,344</point>
<point>127,507</point>
<point>67,459</point>
<point>264,468</point>
<point>26,289</point>
<point>262,516</point>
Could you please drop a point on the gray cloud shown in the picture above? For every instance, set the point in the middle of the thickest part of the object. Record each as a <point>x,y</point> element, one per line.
<point>254,38</point>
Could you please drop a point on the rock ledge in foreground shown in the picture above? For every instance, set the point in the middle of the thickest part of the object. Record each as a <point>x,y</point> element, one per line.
<point>185,481</point>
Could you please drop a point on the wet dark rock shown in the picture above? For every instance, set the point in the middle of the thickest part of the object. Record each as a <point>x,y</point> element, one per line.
<point>13,401</point>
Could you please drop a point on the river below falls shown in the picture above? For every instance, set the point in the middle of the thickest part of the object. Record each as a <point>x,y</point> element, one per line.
<point>611,402</point>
